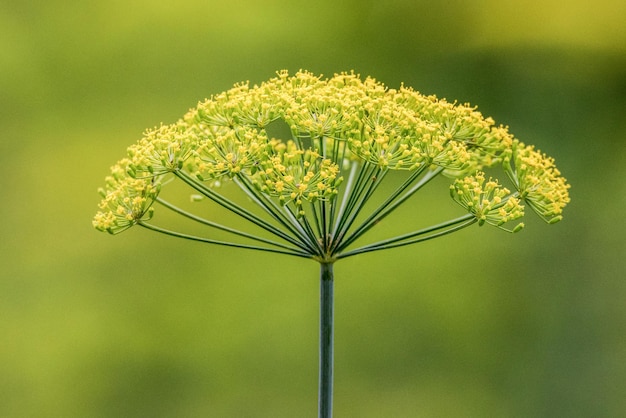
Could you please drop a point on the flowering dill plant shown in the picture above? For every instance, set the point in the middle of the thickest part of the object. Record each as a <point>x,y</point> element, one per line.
<point>310,188</point>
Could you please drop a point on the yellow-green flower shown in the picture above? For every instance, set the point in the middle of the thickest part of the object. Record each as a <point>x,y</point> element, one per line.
<point>294,175</point>
<point>125,200</point>
<point>487,200</point>
<point>538,181</point>
<point>342,136</point>
<point>162,150</point>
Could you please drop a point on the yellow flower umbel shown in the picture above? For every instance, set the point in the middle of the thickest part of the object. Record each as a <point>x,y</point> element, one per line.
<point>538,181</point>
<point>308,154</point>
<point>126,200</point>
<point>340,138</point>
<point>487,201</point>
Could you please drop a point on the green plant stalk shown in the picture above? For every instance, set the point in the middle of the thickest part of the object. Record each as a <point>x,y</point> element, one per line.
<point>390,204</point>
<point>325,404</point>
<point>217,242</point>
<point>221,227</point>
<point>222,201</point>
<point>358,196</point>
<point>272,209</point>
<point>414,237</point>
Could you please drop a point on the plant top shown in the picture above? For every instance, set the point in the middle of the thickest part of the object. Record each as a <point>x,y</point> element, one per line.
<point>345,134</point>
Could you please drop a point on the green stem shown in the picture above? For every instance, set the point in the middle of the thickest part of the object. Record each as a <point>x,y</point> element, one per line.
<point>415,237</point>
<point>274,211</point>
<point>225,203</point>
<point>344,201</point>
<point>325,405</point>
<point>222,227</point>
<point>224,243</point>
<point>390,205</point>
<point>365,187</point>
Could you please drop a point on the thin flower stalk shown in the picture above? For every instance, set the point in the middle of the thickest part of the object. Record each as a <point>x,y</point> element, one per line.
<point>218,242</point>
<point>392,202</point>
<point>425,234</point>
<point>222,227</point>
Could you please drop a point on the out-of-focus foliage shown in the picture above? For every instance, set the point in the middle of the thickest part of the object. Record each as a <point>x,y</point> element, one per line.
<point>479,323</point>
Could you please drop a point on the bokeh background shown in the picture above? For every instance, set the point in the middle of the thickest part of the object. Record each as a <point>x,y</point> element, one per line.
<point>476,324</point>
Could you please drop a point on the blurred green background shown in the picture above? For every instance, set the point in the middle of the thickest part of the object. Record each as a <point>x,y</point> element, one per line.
<point>476,324</point>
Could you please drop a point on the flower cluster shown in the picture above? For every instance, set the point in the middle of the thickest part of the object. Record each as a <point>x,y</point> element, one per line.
<point>125,200</point>
<point>334,123</point>
<point>538,181</point>
<point>162,150</point>
<point>487,200</point>
<point>293,174</point>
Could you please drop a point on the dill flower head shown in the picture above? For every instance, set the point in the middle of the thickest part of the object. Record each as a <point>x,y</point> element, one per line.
<point>340,137</point>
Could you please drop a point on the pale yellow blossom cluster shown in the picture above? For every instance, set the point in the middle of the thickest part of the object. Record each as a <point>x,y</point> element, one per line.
<point>487,200</point>
<point>538,182</point>
<point>332,121</point>
<point>294,175</point>
<point>125,200</point>
<point>162,150</point>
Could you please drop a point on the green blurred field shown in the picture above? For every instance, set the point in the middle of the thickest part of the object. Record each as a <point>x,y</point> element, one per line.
<point>477,324</point>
